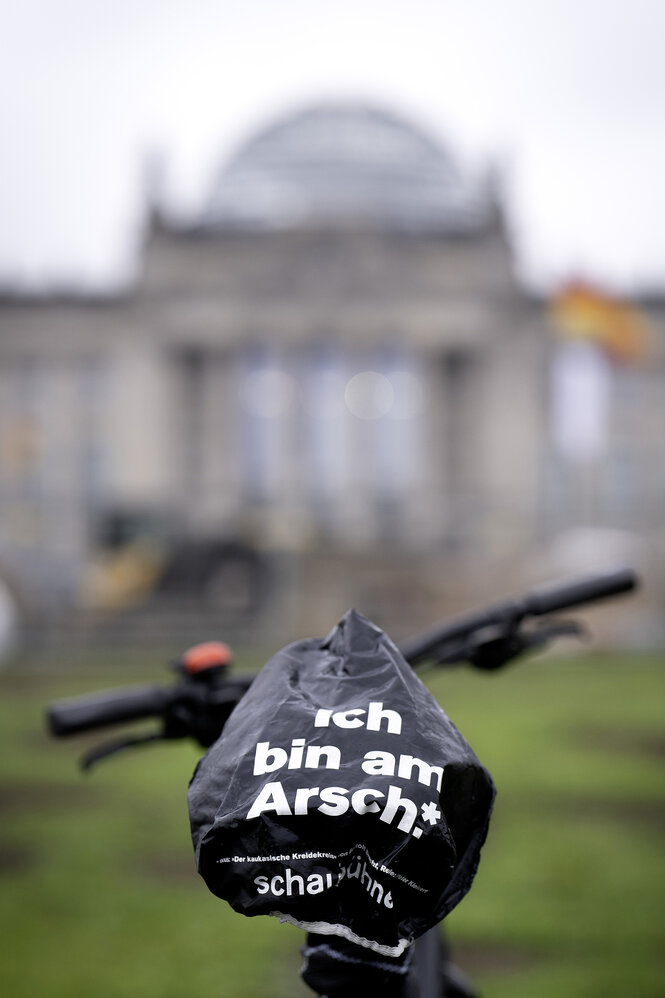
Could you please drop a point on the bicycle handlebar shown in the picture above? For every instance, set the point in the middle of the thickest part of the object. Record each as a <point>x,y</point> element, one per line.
<point>199,704</point>
<point>560,596</point>
<point>101,710</point>
<point>537,603</point>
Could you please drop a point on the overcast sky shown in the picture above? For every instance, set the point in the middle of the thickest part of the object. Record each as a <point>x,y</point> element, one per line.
<point>566,96</point>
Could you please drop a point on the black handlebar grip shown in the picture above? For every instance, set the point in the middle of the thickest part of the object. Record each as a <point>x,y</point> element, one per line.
<point>561,596</point>
<point>84,713</point>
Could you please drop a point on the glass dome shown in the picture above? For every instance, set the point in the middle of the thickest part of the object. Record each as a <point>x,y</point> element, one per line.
<point>342,164</point>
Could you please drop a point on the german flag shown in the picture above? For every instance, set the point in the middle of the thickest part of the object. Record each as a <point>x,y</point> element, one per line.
<point>581,311</point>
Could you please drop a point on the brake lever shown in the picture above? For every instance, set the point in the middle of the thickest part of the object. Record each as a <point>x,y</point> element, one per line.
<point>496,645</point>
<point>560,629</point>
<point>498,651</point>
<point>107,749</point>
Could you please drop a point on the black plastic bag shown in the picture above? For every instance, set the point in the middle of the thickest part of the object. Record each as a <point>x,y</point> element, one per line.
<point>340,797</point>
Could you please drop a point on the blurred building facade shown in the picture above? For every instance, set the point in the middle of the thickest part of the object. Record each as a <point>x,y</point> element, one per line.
<point>328,390</point>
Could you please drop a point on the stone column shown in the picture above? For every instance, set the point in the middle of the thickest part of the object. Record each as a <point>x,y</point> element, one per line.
<point>140,427</point>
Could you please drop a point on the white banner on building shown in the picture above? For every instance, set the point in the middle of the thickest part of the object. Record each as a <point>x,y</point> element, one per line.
<point>580,399</point>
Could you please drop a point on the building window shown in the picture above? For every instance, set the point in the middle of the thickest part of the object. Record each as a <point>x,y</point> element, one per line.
<point>266,399</point>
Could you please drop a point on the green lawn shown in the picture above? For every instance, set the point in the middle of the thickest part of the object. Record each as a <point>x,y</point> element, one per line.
<point>99,897</point>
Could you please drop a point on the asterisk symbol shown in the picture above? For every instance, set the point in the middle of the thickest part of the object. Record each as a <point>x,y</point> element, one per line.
<point>431,812</point>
